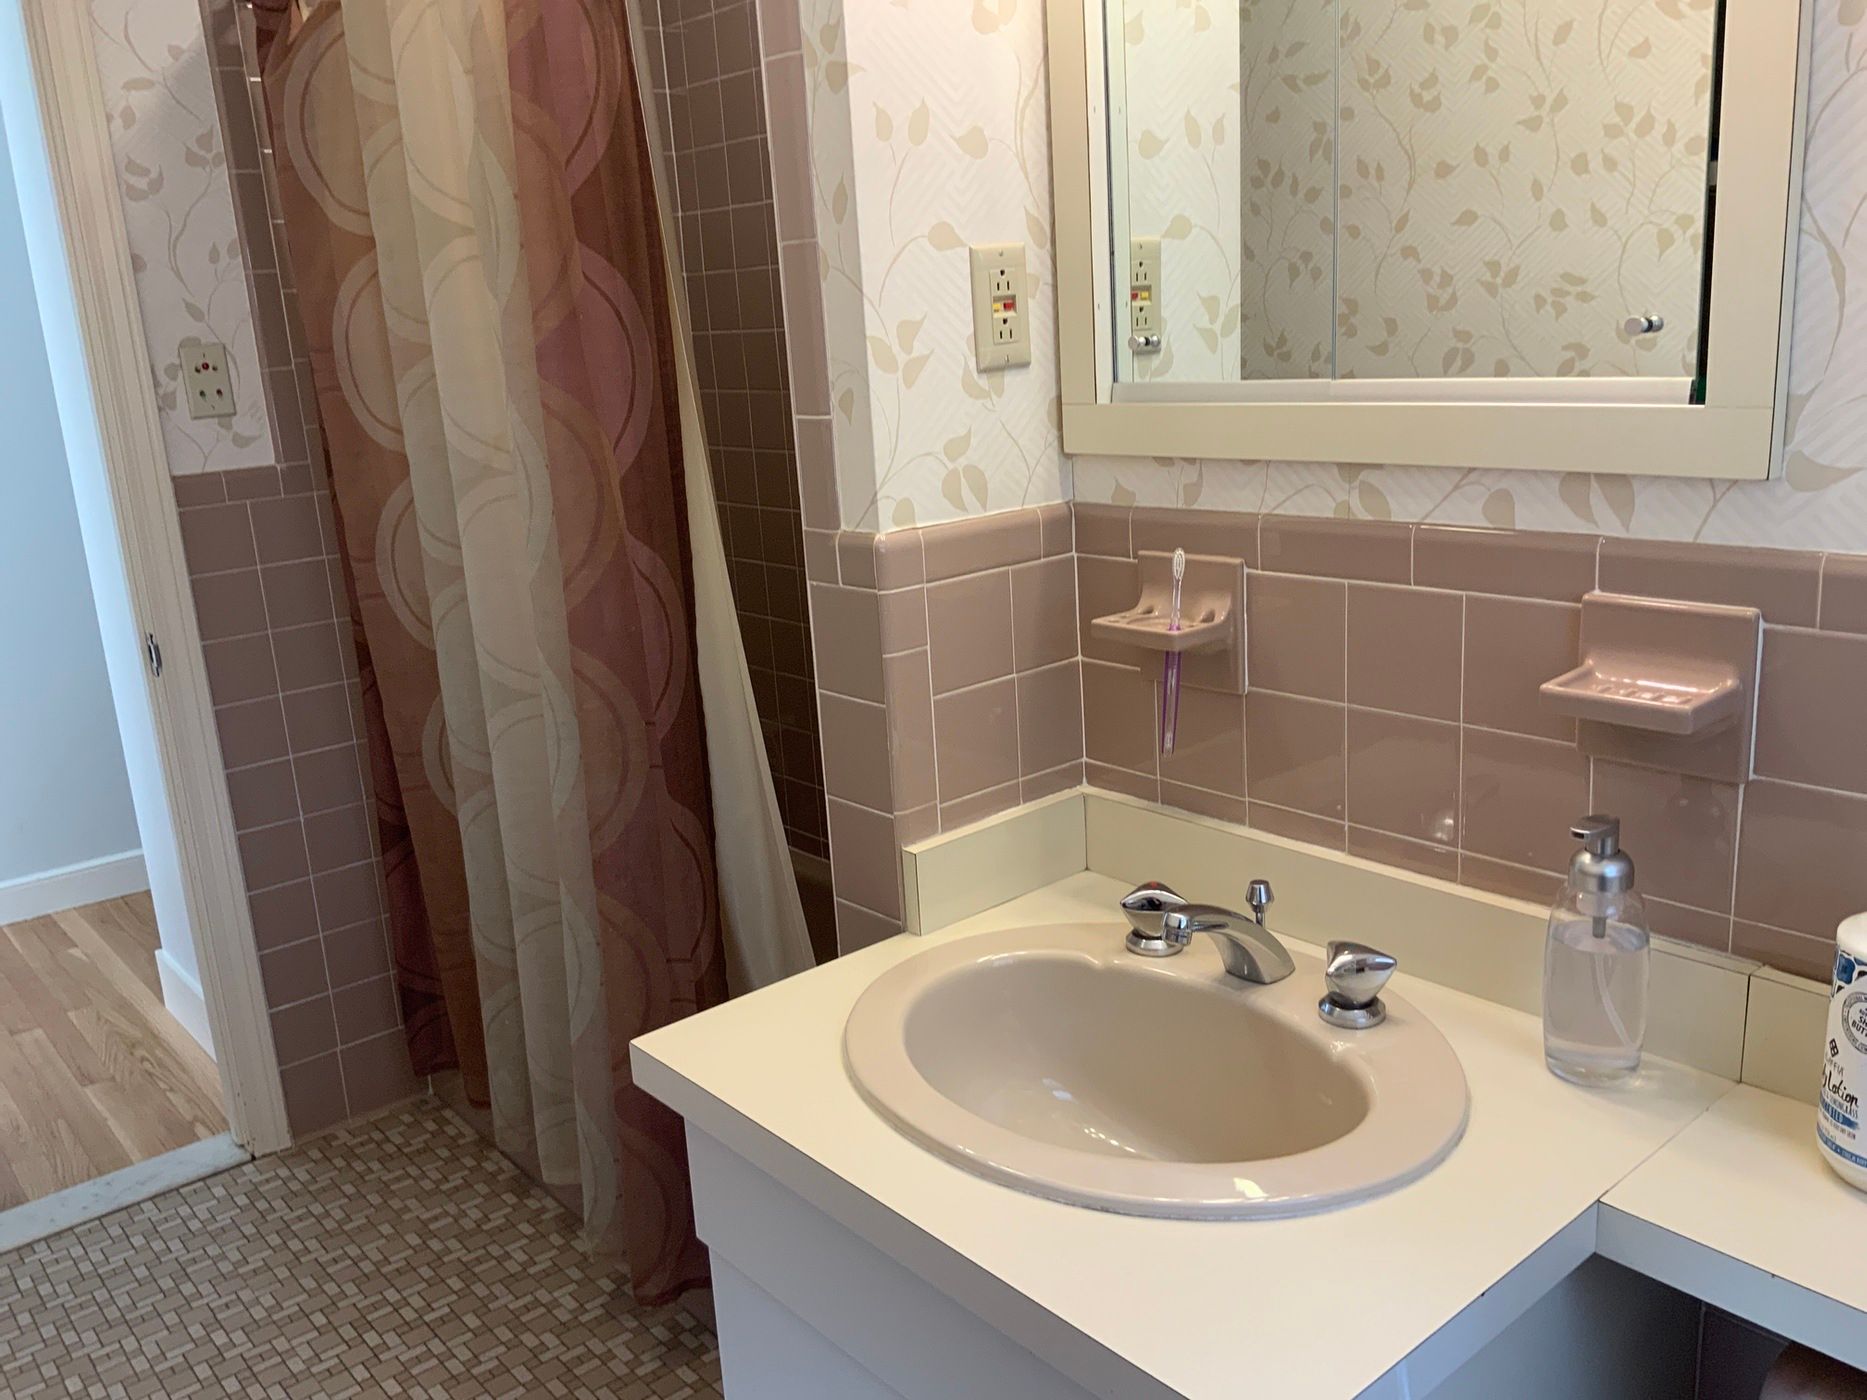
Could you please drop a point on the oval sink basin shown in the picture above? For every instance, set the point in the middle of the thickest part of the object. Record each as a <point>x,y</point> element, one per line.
<point>1055,1061</point>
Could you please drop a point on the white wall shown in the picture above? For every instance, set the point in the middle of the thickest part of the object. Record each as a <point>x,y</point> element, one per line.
<point>64,790</point>
<point>52,287</point>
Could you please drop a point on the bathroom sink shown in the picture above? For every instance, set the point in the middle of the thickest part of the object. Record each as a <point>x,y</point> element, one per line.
<point>1053,1061</point>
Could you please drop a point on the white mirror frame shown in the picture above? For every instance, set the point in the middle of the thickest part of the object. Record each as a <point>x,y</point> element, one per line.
<point>1735,434</point>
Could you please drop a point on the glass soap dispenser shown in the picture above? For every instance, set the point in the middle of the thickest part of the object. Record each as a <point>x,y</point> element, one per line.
<point>1595,962</point>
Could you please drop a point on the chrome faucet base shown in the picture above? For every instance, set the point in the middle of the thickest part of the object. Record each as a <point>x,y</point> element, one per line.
<point>1146,907</point>
<point>1355,974</point>
<point>1352,1018</point>
<point>1152,945</point>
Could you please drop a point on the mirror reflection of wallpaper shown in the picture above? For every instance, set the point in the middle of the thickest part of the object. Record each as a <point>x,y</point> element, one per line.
<point>1517,178</point>
<point>1287,147</point>
<point>1183,177</point>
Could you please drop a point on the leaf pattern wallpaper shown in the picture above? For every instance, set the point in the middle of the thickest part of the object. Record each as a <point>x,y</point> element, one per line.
<point>1287,96</point>
<point>191,274</point>
<point>1517,179</point>
<point>1181,63</point>
<point>929,128</point>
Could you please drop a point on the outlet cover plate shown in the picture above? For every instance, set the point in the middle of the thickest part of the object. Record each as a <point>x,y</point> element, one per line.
<point>1001,331</point>
<point>206,384</point>
<point>1144,318</point>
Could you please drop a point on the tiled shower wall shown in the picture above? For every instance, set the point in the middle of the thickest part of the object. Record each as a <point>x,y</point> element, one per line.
<point>1393,713</point>
<point>710,97</point>
<point>263,560</point>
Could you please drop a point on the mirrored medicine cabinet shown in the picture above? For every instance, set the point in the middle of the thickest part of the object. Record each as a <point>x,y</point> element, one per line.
<point>1546,234</point>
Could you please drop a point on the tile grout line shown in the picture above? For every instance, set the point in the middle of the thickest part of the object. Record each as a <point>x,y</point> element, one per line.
<point>298,797</point>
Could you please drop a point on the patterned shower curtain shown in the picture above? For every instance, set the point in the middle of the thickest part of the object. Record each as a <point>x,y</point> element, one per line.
<point>471,221</point>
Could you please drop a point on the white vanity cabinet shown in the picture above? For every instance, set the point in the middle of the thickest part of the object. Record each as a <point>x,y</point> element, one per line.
<point>1563,1245</point>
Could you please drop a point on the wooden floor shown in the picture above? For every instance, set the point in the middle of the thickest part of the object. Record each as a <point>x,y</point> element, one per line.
<point>94,1073</point>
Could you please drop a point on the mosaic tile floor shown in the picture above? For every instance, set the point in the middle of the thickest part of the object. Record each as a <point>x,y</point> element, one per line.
<point>398,1257</point>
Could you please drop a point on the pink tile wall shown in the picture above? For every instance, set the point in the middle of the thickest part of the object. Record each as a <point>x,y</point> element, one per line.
<point>709,92</point>
<point>269,597</point>
<point>1393,713</point>
<point>950,686</point>
<point>282,671</point>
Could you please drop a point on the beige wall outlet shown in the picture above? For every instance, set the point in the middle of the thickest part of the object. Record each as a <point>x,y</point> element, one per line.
<point>206,385</point>
<point>1144,327</point>
<point>1000,316</point>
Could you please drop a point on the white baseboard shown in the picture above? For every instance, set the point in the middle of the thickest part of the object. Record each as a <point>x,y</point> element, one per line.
<point>182,995</point>
<point>107,877</point>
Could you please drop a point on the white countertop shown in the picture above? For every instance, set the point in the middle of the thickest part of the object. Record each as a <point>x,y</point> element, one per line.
<point>1744,1185</point>
<point>1198,1306</point>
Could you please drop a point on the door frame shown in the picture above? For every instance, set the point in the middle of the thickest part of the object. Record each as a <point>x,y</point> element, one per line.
<point>81,171</point>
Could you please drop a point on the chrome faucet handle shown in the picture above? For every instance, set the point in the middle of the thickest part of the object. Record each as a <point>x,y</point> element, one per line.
<point>1355,974</point>
<point>1258,895</point>
<point>1145,906</point>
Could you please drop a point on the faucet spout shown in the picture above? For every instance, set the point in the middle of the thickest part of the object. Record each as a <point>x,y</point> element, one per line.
<point>1249,950</point>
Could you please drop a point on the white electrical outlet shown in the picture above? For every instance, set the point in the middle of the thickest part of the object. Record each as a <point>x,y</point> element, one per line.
<point>1000,317</point>
<point>205,381</point>
<point>1144,318</point>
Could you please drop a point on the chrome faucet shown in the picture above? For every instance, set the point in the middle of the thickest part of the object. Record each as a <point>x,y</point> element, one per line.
<point>1163,923</point>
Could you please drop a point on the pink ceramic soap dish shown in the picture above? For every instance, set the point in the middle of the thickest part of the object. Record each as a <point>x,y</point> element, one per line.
<point>1664,684</point>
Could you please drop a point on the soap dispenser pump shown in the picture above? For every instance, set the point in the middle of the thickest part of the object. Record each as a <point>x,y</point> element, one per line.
<point>1595,962</point>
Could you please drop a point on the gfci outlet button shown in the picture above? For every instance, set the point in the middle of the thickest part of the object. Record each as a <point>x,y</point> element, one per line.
<point>205,381</point>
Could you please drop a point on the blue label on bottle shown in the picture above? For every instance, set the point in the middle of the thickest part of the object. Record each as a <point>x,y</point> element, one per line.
<point>1852,1158</point>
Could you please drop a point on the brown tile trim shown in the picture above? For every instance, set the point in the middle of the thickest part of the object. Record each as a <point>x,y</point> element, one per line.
<point>1844,593</point>
<point>1104,530</point>
<point>962,547</point>
<point>1220,806</point>
<point>1799,953</point>
<point>1784,584</point>
<point>1421,857</point>
<point>979,805</point>
<point>900,559</point>
<point>1054,780</point>
<point>1225,533</point>
<point>1112,779</point>
<point>954,549</point>
<point>1688,924</point>
<point>1057,528</point>
<point>1502,877</point>
<point>855,558</point>
<point>1374,551</point>
<point>1509,563</point>
<point>1297,826</point>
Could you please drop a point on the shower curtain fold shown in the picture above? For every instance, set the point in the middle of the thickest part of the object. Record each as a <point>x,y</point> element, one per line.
<point>470,214</point>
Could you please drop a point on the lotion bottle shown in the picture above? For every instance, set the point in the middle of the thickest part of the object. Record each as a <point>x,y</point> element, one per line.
<point>1838,1130</point>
